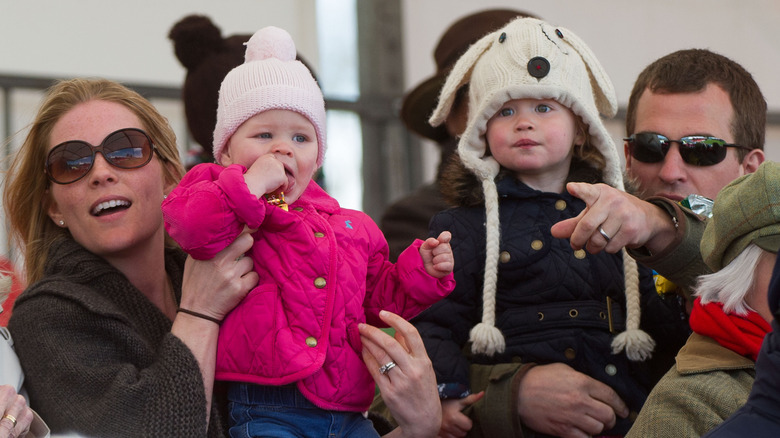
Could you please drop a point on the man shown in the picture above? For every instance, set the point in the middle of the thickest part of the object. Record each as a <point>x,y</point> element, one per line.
<point>694,92</point>
<point>684,94</point>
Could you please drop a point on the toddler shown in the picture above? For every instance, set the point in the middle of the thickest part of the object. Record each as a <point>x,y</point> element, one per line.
<point>534,97</point>
<point>291,349</point>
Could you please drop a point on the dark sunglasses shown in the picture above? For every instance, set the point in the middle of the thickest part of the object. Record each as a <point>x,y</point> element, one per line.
<point>127,148</point>
<point>696,150</point>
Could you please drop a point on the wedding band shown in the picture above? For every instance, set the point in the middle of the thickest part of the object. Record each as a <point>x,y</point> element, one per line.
<point>386,367</point>
<point>13,419</point>
<point>604,235</point>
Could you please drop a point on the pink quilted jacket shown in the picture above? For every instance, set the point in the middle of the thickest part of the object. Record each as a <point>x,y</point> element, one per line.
<point>323,270</point>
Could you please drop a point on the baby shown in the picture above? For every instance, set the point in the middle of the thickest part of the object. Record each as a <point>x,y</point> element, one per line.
<point>293,342</point>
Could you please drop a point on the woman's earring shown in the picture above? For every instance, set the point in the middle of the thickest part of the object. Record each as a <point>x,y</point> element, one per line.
<point>61,223</point>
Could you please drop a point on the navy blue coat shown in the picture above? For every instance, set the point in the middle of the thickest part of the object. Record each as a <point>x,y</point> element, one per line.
<point>551,302</point>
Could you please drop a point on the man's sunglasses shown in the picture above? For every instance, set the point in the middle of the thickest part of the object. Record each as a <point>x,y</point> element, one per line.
<point>696,150</point>
<point>128,148</point>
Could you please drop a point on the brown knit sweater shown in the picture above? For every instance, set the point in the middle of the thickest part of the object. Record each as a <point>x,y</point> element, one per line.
<point>98,356</point>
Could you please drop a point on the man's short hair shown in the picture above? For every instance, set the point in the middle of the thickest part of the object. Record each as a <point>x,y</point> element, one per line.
<point>691,70</point>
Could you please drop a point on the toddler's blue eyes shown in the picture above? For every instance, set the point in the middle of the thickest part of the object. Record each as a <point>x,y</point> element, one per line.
<point>265,135</point>
<point>299,138</point>
<point>506,111</point>
<point>542,108</point>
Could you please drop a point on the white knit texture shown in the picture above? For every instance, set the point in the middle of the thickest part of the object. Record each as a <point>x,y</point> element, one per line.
<point>486,338</point>
<point>496,71</point>
<point>270,78</point>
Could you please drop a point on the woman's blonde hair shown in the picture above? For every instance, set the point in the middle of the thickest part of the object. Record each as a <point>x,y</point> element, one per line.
<point>26,198</point>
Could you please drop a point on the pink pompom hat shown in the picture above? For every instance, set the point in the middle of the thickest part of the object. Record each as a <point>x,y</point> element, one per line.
<point>270,78</point>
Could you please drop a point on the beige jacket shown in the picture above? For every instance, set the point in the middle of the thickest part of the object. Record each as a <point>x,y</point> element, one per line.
<point>707,385</point>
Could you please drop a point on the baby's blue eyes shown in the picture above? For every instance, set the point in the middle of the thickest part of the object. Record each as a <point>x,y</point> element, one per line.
<point>506,112</point>
<point>543,108</point>
<point>299,138</point>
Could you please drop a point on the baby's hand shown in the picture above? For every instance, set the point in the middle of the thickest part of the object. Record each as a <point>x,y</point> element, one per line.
<point>455,423</point>
<point>266,175</point>
<point>437,255</point>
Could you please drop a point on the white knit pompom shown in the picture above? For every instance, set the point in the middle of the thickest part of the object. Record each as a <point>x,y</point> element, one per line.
<point>637,344</point>
<point>270,42</point>
<point>487,339</point>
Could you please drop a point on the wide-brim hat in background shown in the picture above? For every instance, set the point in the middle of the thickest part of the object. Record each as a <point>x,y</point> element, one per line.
<point>419,103</point>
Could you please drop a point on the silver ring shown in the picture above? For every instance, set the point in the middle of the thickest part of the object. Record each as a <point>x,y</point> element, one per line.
<point>604,235</point>
<point>386,367</point>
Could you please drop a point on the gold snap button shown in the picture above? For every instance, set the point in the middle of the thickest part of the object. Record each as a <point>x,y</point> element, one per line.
<point>541,316</point>
<point>570,353</point>
<point>573,313</point>
<point>504,256</point>
<point>311,341</point>
<point>580,254</point>
<point>560,205</point>
<point>537,245</point>
<point>610,369</point>
<point>318,234</point>
<point>319,282</point>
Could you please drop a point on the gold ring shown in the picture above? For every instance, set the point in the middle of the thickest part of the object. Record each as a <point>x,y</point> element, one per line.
<point>12,418</point>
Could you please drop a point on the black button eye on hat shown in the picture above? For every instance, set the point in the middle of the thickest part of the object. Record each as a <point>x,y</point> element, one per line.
<point>538,67</point>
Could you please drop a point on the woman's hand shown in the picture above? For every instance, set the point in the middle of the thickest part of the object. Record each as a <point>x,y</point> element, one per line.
<point>408,388</point>
<point>16,415</point>
<point>214,287</point>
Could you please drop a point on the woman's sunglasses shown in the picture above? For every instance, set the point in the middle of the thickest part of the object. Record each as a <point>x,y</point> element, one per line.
<point>128,148</point>
<point>696,150</point>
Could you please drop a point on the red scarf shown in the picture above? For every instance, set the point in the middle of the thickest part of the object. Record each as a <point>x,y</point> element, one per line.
<point>740,334</point>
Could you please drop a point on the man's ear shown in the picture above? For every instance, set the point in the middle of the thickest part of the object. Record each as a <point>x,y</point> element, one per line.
<point>627,153</point>
<point>753,160</point>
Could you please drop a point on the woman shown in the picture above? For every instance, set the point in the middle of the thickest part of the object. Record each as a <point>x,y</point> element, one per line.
<point>117,333</point>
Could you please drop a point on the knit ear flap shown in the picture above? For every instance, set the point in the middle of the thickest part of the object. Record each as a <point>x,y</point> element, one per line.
<point>606,100</point>
<point>459,76</point>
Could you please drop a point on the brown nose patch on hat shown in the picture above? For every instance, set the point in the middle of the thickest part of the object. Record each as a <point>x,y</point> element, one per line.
<point>538,67</point>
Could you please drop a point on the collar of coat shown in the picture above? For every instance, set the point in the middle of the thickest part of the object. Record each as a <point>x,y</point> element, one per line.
<point>702,354</point>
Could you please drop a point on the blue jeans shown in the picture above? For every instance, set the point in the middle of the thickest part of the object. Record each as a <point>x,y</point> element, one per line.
<point>282,411</point>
